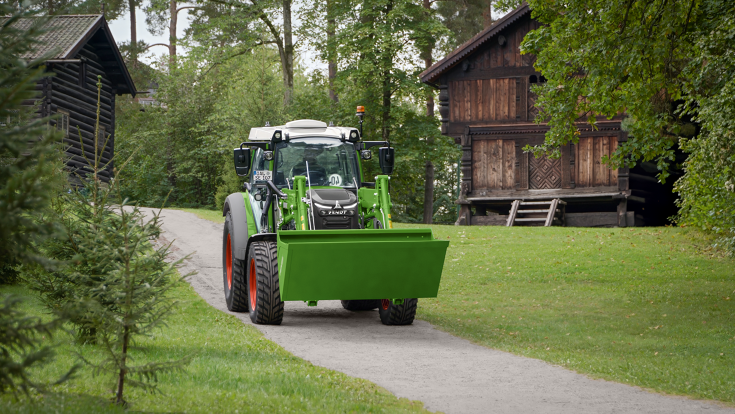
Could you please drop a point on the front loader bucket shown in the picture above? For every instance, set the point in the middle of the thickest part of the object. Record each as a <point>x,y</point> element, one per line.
<point>359,264</point>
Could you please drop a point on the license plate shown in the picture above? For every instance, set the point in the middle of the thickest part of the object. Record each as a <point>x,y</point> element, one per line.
<point>263,175</point>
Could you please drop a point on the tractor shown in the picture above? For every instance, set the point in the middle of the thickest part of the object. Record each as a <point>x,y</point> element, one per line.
<point>308,227</point>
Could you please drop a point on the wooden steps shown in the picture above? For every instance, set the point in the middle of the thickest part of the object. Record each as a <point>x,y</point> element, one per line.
<point>536,214</point>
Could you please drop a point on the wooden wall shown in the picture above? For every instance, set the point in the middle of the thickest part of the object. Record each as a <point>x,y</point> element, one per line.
<point>487,100</point>
<point>73,90</point>
<point>589,169</point>
<point>493,164</point>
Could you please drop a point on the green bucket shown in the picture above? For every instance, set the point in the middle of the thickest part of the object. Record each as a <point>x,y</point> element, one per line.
<point>359,264</point>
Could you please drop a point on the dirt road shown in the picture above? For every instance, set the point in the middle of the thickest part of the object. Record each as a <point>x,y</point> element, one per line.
<point>418,362</point>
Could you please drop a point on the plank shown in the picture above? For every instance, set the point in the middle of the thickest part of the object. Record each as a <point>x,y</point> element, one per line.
<point>508,49</point>
<point>598,172</point>
<point>467,101</point>
<point>503,104</point>
<point>489,86</point>
<point>477,177</point>
<point>517,45</point>
<point>613,172</point>
<point>582,163</point>
<point>565,167</point>
<point>473,100</point>
<point>509,157</point>
<point>480,115</point>
<point>511,98</point>
<point>605,171</point>
<point>492,164</point>
<point>523,170</point>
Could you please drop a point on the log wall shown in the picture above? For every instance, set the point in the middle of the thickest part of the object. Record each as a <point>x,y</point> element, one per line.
<point>73,90</point>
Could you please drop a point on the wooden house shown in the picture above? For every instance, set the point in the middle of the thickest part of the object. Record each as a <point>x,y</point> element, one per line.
<point>486,105</point>
<point>78,49</point>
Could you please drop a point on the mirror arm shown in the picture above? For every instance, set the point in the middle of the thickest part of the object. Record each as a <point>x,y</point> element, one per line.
<point>275,189</point>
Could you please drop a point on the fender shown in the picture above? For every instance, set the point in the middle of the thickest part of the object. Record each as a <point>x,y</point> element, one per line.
<point>235,204</point>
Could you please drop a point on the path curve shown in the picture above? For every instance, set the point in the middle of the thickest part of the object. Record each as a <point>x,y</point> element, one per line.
<point>417,362</point>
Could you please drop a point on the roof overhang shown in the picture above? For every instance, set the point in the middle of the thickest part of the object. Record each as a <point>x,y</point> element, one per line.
<point>431,75</point>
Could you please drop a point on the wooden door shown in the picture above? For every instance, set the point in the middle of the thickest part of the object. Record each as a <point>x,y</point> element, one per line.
<point>544,173</point>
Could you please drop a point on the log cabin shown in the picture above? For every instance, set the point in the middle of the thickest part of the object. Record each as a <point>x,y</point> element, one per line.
<point>78,48</point>
<point>486,105</point>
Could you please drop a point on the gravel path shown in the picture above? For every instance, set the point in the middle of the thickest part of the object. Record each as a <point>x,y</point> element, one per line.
<point>418,362</point>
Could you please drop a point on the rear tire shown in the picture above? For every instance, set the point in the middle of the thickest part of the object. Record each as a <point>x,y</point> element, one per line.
<point>392,314</point>
<point>233,271</point>
<point>264,293</point>
<point>361,305</point>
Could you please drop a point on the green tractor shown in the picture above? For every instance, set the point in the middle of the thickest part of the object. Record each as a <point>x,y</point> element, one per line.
<point>308,227</point>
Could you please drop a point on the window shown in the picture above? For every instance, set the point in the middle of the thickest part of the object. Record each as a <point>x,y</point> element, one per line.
<point>62,123</point>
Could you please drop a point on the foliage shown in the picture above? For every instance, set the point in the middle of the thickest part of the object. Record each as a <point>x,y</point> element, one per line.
<point>651,307</point>
<point>666,65</point>
<point>27,176</point>
<point>707,189</point>
<point>23,346</point>
<point>114,282</point>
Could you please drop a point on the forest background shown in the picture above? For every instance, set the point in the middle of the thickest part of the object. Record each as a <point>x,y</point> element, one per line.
<point>669,66</point>
<point>243,68</point>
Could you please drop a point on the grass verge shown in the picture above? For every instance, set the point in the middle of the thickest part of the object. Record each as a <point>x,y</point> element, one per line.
<point>233,369</point>
<point>643,306</point>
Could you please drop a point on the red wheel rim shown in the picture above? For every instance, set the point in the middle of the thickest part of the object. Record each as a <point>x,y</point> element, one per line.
<point>385,303</point>
<point>228,263</point>
<point>252,291</point>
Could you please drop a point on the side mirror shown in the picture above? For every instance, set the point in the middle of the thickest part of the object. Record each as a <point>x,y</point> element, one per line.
<point>387,159</point>
<point>242,161</point>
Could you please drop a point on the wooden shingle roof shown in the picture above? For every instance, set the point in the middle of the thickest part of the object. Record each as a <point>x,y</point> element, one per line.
<point>65,35</point>
<point>431,75</point>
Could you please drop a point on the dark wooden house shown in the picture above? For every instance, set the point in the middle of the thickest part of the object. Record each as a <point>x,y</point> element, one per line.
<point>80,48</point>
<point>486,105</point>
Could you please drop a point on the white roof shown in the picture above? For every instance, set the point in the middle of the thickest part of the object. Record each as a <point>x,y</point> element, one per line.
<point>298,129</point>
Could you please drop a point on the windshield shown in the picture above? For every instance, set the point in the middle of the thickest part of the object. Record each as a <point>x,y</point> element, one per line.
<point>331,162</point>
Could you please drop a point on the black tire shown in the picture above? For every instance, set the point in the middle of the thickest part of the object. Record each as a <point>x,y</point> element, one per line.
<point>361,305</point>
<point>233,271</point>
<point>264,294</point>
<point>392,314</point>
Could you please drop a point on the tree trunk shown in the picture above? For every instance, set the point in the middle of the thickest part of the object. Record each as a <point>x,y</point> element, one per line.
<point>49,7</point>
<point>123,367</point>
<point>429,193</point>
<point>172,31</point>
<point>429,174</point>
<point>287,60</point>
<point>487,14</point>
<point>133,34</point>
<point>331,52</point>
<point>387,84</point>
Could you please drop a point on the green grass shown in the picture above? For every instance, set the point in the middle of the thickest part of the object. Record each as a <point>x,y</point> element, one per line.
<point>643,306</point>
<point>211,215</point>
<point>233,369</point>
<point>652,307</point>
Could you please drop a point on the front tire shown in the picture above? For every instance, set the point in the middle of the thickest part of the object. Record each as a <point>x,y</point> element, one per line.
<point>360,305</point>
<point>264,293</point>
<point>233,271</point>
<point>392,314</point>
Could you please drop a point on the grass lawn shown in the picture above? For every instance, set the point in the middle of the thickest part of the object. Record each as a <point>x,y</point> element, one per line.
<point>232,369</point>
<point>643,306</point>
<point>651,307</point>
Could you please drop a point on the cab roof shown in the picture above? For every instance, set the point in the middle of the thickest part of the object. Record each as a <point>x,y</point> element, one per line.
<point>299,129</point>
